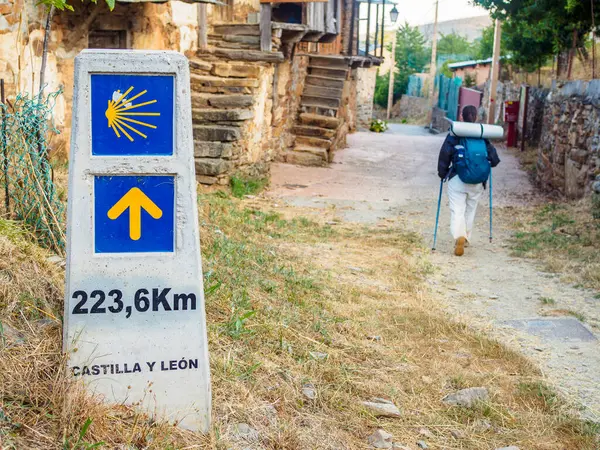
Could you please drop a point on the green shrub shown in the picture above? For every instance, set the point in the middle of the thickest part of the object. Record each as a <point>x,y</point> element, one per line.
<point>378,125</point>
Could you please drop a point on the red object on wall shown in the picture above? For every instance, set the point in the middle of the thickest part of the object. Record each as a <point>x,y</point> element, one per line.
<point>511,117</point>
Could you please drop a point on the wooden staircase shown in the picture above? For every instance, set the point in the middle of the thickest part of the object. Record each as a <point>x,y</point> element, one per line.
<point>318,123</point>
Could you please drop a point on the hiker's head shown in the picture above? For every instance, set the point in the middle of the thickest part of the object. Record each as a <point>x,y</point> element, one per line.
<point>469,113</point>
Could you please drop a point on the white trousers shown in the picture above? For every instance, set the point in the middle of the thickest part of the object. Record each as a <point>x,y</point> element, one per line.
<point>463,206</point>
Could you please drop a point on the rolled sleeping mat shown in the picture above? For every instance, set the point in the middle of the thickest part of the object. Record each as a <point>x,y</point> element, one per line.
<point>476,130</point>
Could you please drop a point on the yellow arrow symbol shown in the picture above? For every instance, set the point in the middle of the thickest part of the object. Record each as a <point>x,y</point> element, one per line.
<point>135,200</point>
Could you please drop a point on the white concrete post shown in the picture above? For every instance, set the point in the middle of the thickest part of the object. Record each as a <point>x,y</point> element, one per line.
<point>134,322</point>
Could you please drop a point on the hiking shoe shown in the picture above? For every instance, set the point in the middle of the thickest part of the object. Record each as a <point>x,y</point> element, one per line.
<point>459,247</point>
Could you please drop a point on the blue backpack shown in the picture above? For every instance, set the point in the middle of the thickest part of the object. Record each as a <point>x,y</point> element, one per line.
<point>471,162</point>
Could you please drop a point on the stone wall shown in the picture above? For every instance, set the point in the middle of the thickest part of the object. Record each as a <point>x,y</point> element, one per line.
<point>569,151</point>
<point>171,26</point>
<point>290,79</point>
<point>365,90</point>
<point>245,107</point>
<point>535,114</point>
<point>412,109</point>
<point>438,120</point>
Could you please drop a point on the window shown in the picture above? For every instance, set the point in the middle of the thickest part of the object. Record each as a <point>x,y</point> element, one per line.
<point>107,39</point>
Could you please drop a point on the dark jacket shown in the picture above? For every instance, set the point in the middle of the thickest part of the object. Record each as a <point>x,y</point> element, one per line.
<point>447,151</point>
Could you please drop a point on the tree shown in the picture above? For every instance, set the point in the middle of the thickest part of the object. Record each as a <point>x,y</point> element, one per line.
<point>484,46</point>
<point>529,50</point>
<point>454,44</point>
<point>538,29</point>
<point>412,56</point>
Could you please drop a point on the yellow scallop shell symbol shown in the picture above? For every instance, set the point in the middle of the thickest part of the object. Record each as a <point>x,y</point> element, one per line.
<point>119,115</point>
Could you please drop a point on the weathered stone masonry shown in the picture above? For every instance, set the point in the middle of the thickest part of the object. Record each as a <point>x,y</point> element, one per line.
<point>252,107</point>
<point>564,126</point>
<point>569,151</point>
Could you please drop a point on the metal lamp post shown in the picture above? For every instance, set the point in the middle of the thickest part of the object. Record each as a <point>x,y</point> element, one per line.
<point>393,18</point>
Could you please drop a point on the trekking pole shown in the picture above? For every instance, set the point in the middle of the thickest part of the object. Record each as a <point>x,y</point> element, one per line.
<point>437,216</point>
<point>491,207</point>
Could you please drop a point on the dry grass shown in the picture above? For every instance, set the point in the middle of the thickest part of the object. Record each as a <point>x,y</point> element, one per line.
<point>279,287</point>
<point>564,236</point>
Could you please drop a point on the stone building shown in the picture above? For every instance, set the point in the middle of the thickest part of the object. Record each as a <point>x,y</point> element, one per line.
<point>269,81</point>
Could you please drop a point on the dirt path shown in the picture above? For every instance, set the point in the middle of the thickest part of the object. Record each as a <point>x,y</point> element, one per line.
<point>392,177</point>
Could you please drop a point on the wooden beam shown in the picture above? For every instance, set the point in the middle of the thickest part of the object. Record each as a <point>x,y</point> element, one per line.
<point>248,55</point>
<point>294,1</point>
<point>202,27</point>
<point>266,43</point>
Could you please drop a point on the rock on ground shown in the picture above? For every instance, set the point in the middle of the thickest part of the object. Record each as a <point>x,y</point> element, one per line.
<point>425,432</point>
<point>467,397</point>
<point>380,439</point>
<point>382,408</point>
<point>309,391</point>
<point>243,431</point>
<point>318,355</point>
<point>457,434</point>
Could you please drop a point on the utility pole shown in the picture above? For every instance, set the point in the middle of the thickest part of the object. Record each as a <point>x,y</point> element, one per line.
<point>392,67</point>
<point>495,72</point>
<point>433,64</point>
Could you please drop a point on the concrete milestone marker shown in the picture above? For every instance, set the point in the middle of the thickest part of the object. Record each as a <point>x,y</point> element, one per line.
<point>135,327</point>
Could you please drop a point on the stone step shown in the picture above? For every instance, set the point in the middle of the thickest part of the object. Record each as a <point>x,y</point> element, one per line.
<point>212,166</point>
<point>214,81</point>
<point>314,80</point>
<point>223,90</point>
<point>232,45</point>
<point>216,133</point>
<point>237,29</point>
<point>307,130</point>
<point>200,67</point>
<point>222,69</point>
<point>317,120</point>
<point>318,91</point>
<point>334,62</point>
<point>312,142</point>
<point>319,110</point>
<point>221,115</point>
<point>305,158</point>
<point>248,55</point>
<point>319,151</point>
<point>338,74</point>
<point>201,100</point>
<point>323,102</point>
<point>207,149</point>
<point>240,39</point>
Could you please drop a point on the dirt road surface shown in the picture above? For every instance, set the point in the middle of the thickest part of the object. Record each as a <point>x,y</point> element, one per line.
<point>393,176</point>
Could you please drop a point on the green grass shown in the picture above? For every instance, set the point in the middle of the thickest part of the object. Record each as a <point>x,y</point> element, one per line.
<point>565,237</point>
<point>539,393</point>
<point>547,301</point>
<point>241,186</point>
<point>579,316</point>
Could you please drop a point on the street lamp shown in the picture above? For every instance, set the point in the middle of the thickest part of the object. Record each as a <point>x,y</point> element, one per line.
<point>393,18</point>
<point>394,14</point>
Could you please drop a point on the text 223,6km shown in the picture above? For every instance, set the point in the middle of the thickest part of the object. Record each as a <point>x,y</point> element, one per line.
<point>157,299</point>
